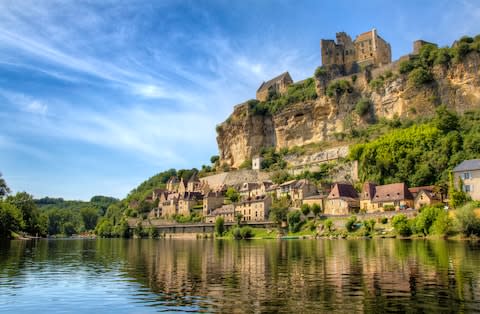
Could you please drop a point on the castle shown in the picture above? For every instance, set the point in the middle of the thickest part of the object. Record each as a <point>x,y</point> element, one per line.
<point>367,49</point>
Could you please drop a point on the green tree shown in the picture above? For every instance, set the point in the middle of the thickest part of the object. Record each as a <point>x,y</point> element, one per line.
<point>350,225</point>
<point>279,210</point>
<point>214,159</point>
<point>219,226</point>
<point>426,218</point>
<point>4,189</point>
<point>25,203</point>
<point>10,220</point>
<point>446,120</point>
<point>232,195</point>
<point>402,225</point>
<point>294,219</point>
<point>329,224</point>
<point>89,217</point>
<point>305,209</point>
<point>468,221</point>
<point>104,228</point>
<point>369,226</point>
<point>316,209</point>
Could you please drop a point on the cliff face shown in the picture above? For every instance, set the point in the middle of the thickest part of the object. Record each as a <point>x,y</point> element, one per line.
<point>243,134</point>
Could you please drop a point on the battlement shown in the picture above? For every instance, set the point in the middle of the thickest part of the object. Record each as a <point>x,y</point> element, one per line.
<point>367,49</point>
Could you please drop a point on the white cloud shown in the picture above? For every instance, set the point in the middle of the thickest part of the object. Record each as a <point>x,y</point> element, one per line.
<point>25,103</point>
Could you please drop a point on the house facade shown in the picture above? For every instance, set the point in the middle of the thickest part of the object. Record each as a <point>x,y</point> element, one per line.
<point>425,196</point>
<point>469,173</point>
<point>342,200</point>
<point>394,196</point>
<point>277,85</point>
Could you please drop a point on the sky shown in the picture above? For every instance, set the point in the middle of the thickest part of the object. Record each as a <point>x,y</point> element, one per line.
<point>97,96</point>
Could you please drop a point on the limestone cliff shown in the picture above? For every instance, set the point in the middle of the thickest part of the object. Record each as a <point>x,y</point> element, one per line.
<point>389,93</point>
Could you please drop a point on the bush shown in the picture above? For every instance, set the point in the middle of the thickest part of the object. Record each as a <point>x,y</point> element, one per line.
<point>419,77</point>
<point>305,209</point>
<point>426,218</point>
<point>316,209</point>
<point>388,208</point>
<point>384,220</point>
<point>219,226</point>
<point>402,225</point>
<point>369,226</point>
<point>320,73</point>
<point>338,88</point>
<point>377,83</point>
<point>10,219</point>
<point>294,219</point>
<point>362,107</point>
<point>406,66</point>
<point>329,224</point>
<point>246,232</point>
<point>350,225</point>
<point>237,233</point>
<point>468,222</point>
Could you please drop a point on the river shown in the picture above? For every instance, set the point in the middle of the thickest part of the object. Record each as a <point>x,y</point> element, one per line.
<point>258,276</point>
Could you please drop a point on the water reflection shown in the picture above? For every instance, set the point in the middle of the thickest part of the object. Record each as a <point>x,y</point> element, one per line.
<point>227,276</point>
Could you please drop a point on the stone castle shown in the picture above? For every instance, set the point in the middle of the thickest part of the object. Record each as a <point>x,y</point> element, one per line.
<point>367,49</point>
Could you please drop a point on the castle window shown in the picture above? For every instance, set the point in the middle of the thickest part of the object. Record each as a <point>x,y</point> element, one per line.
<point>371,54</point>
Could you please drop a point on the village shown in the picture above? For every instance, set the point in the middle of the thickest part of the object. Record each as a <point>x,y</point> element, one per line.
<point>253,200</point>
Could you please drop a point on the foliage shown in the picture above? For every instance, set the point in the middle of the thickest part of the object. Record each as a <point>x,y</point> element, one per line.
<point>89,217</point>
<point>30,213</point>
<point>377,83</point>
<point>294,219</point>
<point>363,106</point>
<point>219,226</point>
<point>445,120</point>
<point>280,176</point>
<point>384,220</point>
<point>104,228</point>
<point>329,224</point>
<point>4,189</point>
<point>279,210</point>
<point>316,209</point>
<point>419,77</point>
<point>320,72</point>
<point>232,194</point>
<point>369,226</point>
<point>338,88</point>
<point>272,160</point>
<point>246,164</point>
<point>10,220</point>
<point>237,233</point>
<point>246,232</point>
<point>426,218</point>
<point>402,225</point>
<point>305,209</point>
<point>468,221</point>
<point>214,159</point>
<point>351,224</point>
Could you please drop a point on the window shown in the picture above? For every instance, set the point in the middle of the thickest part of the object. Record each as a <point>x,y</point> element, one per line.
<point>467,188</point>
<point>466,176</point>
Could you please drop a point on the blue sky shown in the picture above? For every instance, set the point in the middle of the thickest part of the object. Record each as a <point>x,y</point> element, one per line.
<point>97,96</point>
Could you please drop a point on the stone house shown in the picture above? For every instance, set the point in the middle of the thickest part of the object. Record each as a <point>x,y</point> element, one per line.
<point>425,196</point>
<point>227,212</point>
<point>194,184</point>
<point>248,190</point>
<point>469,172</point>
<point>277,85</point>
<point>172,184</point>
<point>342,200</point>
<point>211,201</point>
<point>367,49</point>
<point>378,197</point>
<point>314,199</point>
<point>254,209</point>
<point>296,190</point>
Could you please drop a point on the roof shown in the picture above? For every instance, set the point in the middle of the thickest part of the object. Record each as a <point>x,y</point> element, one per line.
<point>343,190</point>
<point>368,191</point>
<point>288,183</point>
<point>417,189</point>
<point>301,183</point>
<point>314,197</point>
<point>392,192</point>
<point>471,164</point>
<point>248,186</point>
<point>270,83</point>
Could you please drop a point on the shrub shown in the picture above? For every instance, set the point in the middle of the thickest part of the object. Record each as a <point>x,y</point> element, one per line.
<point>443,225</point>
<point>305,209</point>
<point>419,77</point>
<point>316,209</point>
<point>246,232</point>
<point>426,219</point>
<point>406,66</point>
<point>153,232</point>
<point>402,225</point>
<point>354,78</point>
<point>384,220</point>
<point>468,222</point>
<point>362,107</point>
<point>338,88</point>
<point>350,225</point>
<point>388,208</point>
<point>329,224</point>
<point>237,233</point>
<point>320,72</point>
<point>369,226</point>
<point>377,83</point>
<point>219,226</point>
<point>294,219</point>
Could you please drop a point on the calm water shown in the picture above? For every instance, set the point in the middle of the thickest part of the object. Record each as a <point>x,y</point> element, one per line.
<point>293,276</point>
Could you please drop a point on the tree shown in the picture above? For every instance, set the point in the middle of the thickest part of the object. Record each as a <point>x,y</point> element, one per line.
<point>232,195</point>
<point>25,203</point>
<point>4,189</point>
<point>279,210</point>
<point>219,226</point>
<point>426,218</point>
<point>401,225</point>
<point>305,209</point>
<point>238,218</point>
<point>446,120</point>
<point>369,226</point>
<point>329,224</point>
<point>214,159</point>
<point>350,225</point>
<point>10,220</point>
<point>294,220</point>
<point>89,217</point>
<point>457,197</point>
<point>316,209</point>
<point>468,221</point>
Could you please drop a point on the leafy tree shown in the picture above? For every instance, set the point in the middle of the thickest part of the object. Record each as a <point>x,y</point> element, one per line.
<point>25,203</point>
<point>104,228</point>
<point>219,226</point>
<point>246,232</point>
<point>426,218</point>
<point>316,209</point>
<point>419,77</point>
<point>350,225</point>
<point>279,210</point>
<point>446,120</point>
<point>294,220</point>
<point>89,217</point>
<point>401,225</point>
<point>329,224</point>
<point>4,189</point>
<point>305,209</point>
<point>369,226</point>
<point>362,107</point>
<point>10,220</point>
<point>232,195</point>
<point>468,221</point>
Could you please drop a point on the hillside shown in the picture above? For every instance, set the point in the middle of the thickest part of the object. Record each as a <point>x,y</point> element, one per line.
<point>328,110</point>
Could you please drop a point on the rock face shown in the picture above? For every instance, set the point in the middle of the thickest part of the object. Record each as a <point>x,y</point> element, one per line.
<point>244,134</point>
